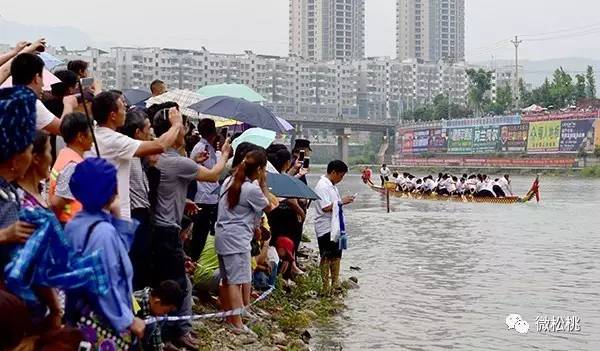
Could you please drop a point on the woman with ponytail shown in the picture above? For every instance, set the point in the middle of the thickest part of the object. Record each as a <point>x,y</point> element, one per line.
<point>244,197</point>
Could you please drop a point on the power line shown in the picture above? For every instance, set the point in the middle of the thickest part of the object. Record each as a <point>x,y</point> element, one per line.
<point>589,26</point>
<point>566,36</point>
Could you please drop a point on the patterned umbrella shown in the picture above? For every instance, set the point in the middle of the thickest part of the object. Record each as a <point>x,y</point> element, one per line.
<point>183,98</point>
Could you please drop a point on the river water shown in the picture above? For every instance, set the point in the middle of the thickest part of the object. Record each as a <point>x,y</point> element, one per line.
<point>444,276</point>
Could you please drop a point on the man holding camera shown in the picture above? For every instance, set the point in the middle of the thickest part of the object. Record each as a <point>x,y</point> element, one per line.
<point>27,68</point>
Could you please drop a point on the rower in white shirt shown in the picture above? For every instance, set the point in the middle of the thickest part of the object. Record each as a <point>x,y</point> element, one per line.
<point>461,186</point>
<point>409,184</point>
<point>429,186</point>
<point>471,184</point>
<point>505,185</point>
<point>400,180</point>
<point>486,188</point>
<point>443,184</point>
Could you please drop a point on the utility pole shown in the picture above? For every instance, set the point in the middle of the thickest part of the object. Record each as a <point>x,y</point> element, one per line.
<point>516,43</point>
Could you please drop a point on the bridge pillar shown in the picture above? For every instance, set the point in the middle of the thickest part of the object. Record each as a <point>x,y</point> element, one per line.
<point>343,143</point>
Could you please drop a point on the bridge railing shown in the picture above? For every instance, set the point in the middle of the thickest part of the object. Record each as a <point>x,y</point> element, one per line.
<point>315,119</point>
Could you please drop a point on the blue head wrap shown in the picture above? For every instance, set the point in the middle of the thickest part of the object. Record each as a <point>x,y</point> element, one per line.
<point>93,183</point>
<point>17,120</point>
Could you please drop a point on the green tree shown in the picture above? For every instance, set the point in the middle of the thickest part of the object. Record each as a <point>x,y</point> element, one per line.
<point>580,87</point>
<point>504,99</point>
<point>525,95</point>
<point>562,89</point>
<point>591,83</point>
<point>480,82</point>
<point>441,107</point>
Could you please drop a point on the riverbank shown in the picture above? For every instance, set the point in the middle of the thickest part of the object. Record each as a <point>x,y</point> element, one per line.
<point>284,320</point>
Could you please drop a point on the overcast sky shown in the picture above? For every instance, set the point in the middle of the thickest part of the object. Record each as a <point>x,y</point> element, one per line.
<point>262,25</point>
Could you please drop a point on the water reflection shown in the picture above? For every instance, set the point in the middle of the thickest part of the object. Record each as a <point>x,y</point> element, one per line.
<point>443,276</point>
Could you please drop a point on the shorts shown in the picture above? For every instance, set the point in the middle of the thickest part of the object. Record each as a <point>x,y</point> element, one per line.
<point>236,268</point>
<point>327,248</point>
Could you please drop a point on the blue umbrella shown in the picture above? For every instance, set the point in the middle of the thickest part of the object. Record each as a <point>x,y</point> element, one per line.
<point>239,110</point>
<point>135,96</point>
<point>283,185</point>
<point>50,61</point>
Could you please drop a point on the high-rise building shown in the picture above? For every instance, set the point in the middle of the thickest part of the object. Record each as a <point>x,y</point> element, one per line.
<point>324,30</point>
<point>430,30</point>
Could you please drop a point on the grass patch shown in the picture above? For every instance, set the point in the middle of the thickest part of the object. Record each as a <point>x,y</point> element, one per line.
<point>591,172</point>
<point>296,310</point>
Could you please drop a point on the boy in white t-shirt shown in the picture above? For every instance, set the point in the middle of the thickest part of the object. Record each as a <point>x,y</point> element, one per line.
<point>331,254</point>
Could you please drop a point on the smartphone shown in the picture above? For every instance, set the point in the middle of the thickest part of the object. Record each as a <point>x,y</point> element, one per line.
<point>84,346</point>
<point>301,157</point>
<point>40,48</point>
<point>224,132</point>
<point>87,82</point>
<point>306,163</point>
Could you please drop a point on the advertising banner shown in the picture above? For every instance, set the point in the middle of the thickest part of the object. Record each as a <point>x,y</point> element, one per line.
<point>485,139</point>
<point>438,141</point>
<point>418,141</point>
<point>460,141</point>
<point>562,162</point>
<point>485,121</point>
<point>513,138</point>
<point>543,137</point>
<point>576,135</point>
<point>406,142</point>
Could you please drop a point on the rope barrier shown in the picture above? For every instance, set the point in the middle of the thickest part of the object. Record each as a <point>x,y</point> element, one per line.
<point>216,315</point>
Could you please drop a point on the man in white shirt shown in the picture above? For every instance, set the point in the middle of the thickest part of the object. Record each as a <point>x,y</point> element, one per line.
<point>429,185</point>
<point>108,109</point>
<point>505,185</point>
<point>27,69</point>
<point>329,195</point>
<point>486,187</point>
<point>384,174</point>
<point>400,181</point>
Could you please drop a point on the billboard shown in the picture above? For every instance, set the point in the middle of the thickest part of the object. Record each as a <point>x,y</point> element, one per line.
<point>575,135</point>
<point>460,141</point>
<point>485,139</point>
<point>438,141</point>
<point>422,140</point>
<point>513,138</point>
<point>543,137</point>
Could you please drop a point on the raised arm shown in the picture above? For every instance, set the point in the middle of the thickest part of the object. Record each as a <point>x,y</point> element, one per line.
<point>213,174</point>
<point>23,47</point>
<point>165,141</point>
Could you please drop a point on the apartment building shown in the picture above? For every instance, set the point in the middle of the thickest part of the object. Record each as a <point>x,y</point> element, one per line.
<point>323,30</point>
<point>430,30</point>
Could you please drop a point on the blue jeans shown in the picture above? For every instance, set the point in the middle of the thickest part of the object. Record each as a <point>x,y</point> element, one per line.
<point>263,281</point>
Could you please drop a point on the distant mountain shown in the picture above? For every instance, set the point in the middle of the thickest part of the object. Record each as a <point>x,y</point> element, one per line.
<point>70,37</point>
<point>535,72</point>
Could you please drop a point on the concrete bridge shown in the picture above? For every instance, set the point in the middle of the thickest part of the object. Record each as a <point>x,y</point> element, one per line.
<point>344,128</point>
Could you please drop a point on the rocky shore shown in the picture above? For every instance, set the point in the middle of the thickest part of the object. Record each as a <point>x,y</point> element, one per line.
<point>284,320</point>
